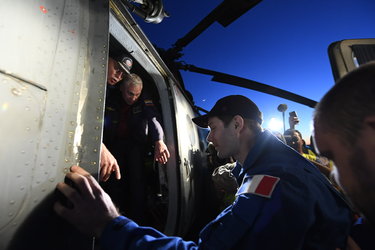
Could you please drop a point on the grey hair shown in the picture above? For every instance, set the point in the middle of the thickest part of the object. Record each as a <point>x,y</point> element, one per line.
<point>133,79</point>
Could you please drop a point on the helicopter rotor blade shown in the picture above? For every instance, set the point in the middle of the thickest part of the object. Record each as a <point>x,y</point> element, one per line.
<point>250,84</point>
<point>225,13</point>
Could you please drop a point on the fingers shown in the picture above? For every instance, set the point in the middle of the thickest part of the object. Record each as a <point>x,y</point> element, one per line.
<point>82,186</point>
<point>103,172</point>
<point>158,156</point>
<point>108,165</point>
<point>162,157</point>
<point>95,187</point>
<point>159,159</point>
<point>92,208</point>
<point>106,172</point>
<point>86,187</point>
<point>71,196</point>
<point>61,210</point>
<point>118,173</point>
<point>79,170</point>
<point>67,191</point>
<point>114,168</point>
<point>161,152</point>
<point>167,154</point>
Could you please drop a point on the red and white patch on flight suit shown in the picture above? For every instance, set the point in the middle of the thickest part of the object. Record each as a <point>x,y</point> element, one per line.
<point>262,185</point>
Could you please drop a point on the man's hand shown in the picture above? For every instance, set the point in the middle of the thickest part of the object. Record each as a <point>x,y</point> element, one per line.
<point>92,208</point>
<point>293,121</point>
<point>108,164</point>
<point>161,152</point>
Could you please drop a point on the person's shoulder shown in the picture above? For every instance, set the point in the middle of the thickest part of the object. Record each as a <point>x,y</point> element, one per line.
<point>276,151</point>
<point>146,100</point>
<point>260,185</point>
<point>113,97</point>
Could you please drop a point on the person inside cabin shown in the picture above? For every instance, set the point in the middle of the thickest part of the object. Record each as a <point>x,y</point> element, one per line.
<point>119,64</point>
<point>132,122</point>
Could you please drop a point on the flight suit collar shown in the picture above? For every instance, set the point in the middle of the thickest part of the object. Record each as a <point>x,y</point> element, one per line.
<point>261,141</point>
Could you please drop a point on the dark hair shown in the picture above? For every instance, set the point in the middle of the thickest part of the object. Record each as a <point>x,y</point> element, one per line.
<point>230,106</point>
<point>225,119</point>
<point>291,131</point>
<point>251,123</point>
<point>343,109</point>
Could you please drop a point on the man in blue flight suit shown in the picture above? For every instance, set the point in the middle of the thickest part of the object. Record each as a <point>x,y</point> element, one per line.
<point>130,119</point>
<point>284,202</point>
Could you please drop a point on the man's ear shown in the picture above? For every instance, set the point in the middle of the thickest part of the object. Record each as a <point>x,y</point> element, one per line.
<point>239,122</point>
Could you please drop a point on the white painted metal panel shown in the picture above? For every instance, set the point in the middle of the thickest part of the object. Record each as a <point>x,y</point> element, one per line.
<point>53,58</point>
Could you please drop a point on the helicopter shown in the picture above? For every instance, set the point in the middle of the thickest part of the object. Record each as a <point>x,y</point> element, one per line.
<point>53,82</point>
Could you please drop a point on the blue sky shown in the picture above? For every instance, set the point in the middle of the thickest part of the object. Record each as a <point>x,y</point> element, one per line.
<point>280,43</point>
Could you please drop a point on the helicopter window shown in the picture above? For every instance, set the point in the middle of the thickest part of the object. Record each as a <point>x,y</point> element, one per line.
<point>363,53</point>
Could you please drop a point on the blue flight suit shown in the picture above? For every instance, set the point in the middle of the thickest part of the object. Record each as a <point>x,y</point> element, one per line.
<point>143,120</point>
<point>298,209</point>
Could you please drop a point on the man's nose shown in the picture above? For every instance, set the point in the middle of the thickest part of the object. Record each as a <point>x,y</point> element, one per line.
<point>119,74</point>
<point>208,139</point>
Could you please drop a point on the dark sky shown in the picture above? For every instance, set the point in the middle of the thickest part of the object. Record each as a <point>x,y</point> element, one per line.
<point>280,43</point>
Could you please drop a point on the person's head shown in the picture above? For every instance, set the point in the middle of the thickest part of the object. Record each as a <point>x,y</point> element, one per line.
<point>131,88</point>
<point>344,124</point>
<point>118,66</point>
<point>233,120</point>
<point>294,139</point>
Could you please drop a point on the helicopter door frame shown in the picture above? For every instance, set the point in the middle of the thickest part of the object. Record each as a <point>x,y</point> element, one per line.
<point>122,27</point>
<point>346,55</point>
<point>177,112</point>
